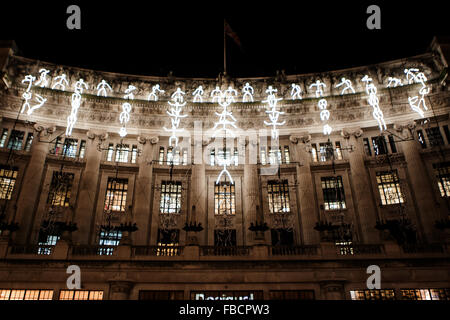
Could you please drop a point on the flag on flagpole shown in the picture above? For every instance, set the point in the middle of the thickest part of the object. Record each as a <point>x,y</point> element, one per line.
<point>229,32</point>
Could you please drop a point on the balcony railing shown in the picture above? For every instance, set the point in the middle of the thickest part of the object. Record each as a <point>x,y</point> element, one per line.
<point>423,248</point>
<point>168,251</point>
<point>293,250</point>
<point>357,249</point>
<point>89,250</point>
<point>224,251</point>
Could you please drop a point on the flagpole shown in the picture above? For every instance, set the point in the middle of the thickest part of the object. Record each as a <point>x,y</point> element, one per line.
<point>224,49</point>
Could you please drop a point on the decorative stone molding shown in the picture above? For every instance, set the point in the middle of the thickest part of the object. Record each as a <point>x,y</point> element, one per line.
<point>44,130</point>
<point>152,140</point>
<point>405,129</point>
<point>305,138</point>
<point>100,136</point>
<point>207,141</point>
<point>121,286</point>
<point>347,133</point>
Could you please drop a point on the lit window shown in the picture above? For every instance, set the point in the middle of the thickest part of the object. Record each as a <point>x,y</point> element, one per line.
<point>82,149</point>
<point>338,150</point>
<point>275,155</point>
<point>46,246</point>
<point>81,295</point>
<point>134,154</point>
<point>170,197</point>
<point>389,187</point>
<point>367,150</point>
<point>3,138</point>
<point>107,241</point>
<point>116,194</point>
<point>56,148</point>
<point>16,140</point>
<point>326,151</point>
<point>168,242</point>
<point>236,157</point>
<point>345,247</point>
<point>374,294</point>
<point>442,171</point>
<point>185,156</point>
<point>421,139</point>
<point>110,152</point>
<point>278,194</point>
<point>426,294</point>
<point>161,155</point>
<point>29,141</point>
<point>60,189</point>
<point>176,156</point>
<point>169,155</point>
<point>379,145</point>
<point>70,148</point>
<point>122,151</point>
<point>224,198</point>
<point>314,152</point>
<point>8,178</point>
<point>11,294</point>
<point>287,157</point>
<point>333,193</point>
<point>212,157</point>
<point>223,154</point>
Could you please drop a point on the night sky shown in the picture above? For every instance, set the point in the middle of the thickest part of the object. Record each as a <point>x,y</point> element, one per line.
<point>154,39</point>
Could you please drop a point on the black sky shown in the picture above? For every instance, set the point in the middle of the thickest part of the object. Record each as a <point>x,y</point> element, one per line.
<point>152,39</point>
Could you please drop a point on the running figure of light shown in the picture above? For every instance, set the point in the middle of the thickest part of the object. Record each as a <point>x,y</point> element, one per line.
<point>80,85</point>
<point>248,93</point>
<point>216,94</point>
<point>374,102</point>
<point>230,93</point>
<point>153,96</point>
<point>43,81</point>
<point>273,113</point>
<point>415,102</point>
<point>198,93</point>
<point>175,115</point>
<point>296,92</point>
<point>124,116</point>
<point>322,104</point>
<point>348,86</point>
<point>394,82</point>
<point>102,88</point>
<point>27,95</point>
<point>61,82</point>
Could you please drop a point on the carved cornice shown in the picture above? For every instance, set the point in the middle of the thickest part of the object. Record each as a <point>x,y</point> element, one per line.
<point>152,140</point>
<point>303,138</point>
<point>347,133</point>
<point>44,130</point>
<point>101,136</point>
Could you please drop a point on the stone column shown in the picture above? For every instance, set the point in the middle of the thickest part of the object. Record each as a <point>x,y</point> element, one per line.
<point>305,189</point>
<point>32,183</point>
<point>360,183</point>
<point>142,204</point>
<point>421,189</point>
<point>198,194</point>
<point>251,197</point>
<point>87,195</point>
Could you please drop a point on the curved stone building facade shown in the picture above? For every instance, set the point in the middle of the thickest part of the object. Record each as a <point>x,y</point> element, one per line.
<point>297,214</point>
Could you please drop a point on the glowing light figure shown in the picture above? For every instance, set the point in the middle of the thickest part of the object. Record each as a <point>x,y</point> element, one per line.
<point>394,82</point>
<point>216,94</point>
<point>175,115</point>
<point>27,95</point>
<point>198,94</point>
<point>248,93</point>
<point>124,116</point>
<point>153,96</point>
<point>273,113</point>
<point>230,93</point>
<point>322,104</point>
<point>43,81</point>
<point>296,92</point>
<point>348,86</point>
<point>61,82</point>
<point>41,101</point>
<point>374,102</point>
<point>80,85</point>
<point>417,103</point>
<point>102,88</point>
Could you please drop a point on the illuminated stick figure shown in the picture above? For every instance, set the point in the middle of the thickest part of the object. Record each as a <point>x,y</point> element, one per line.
<point>27,94</point>
<point>153,96</point>
<point>80,85</point>
<point>102,87</point>
<point>216,95</point>
<point>296,92</point>
<point>61,82</point>
<point>322,104</point>
<point>28,79</point>
<point>348,86</point>
<point>43,81</point>
<point>410,77</point>
<point>198,93</point>
<point>319,85</point>
<point>124,116</point>
<point>415,102</point>
<point>230,93</point>
<point>274,114</point>
<point>40,101</point>
<point>248,93</point>
<point>374,102</point>
<point>394,82</point>
<point>175,115</point>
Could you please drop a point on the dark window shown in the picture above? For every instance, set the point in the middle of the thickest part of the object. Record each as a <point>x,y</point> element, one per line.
<point>367,150</point>
<point>282,237</point>
<point>434,136</point>
<point>278,194</point>
<point>116,194</point>
<point>392,144</point>
<point>8,178</point>
<point>224,238</point>
<point>379,145</point>
<point>16,140</point>
<point>3,138</point>
<point>333,193</point>
<point>70,148</point>
<point>224,198</point>
<point>57,147</point>
<point>60,189</point>
<point>167,242</point>
<point>29,141</point>
<point>291,294</point>
<point>161,295</point>
<point>421,139</point>
<point>447,133</point>
<point>170,197</point>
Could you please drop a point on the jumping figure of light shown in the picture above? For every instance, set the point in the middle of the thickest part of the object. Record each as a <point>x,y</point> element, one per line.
<point>348,86</point>
<point>198,94</point>
<point>248,93</point>
<point>60,81</point>
<point>102,88</point>
<point>296,92</point>
<point>43,81</point>
<point>153,96</point>
<point>80,85</point>
<point>124,116</point>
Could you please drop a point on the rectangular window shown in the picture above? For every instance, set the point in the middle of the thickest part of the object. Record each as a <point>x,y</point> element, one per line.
<point>421,139</point>
<point>389,187</point>
<point>122,151</point>
<point>287,157</point>
<point>447,133</point>
<point>56,149</point>
<point>60,188</point>
<point>291,294</point>
<point>263,156</point>
<point>110,152</point>
<point>338,150</point>
<point>236,157</point>
<point>81,295</point>
<point>314,152</point>
<point>107,241</point>
<point>425,294</point>
<point>374,294</point>
<point>442,171</point>
<point>333,193</point>
<point>367,150</point>
<point>282,237</point>
<point>168,242</point>
<point>82,151</point>
<point>169,155</point>
<point>47,246</point>
<point>28,142</point>
<point>116,194</point>
<point>134,154</point>
<point>392,144</point>
<point>225,238</point>
<point>8,176</point>
<point>176,156</point>
<point>16,140</point>
<point>212,157</point>
<point>27,294</point>
<point>275,155</point>
<point>161,295</point>
<point>434,136</point>
<point>224,198</point>
<point>170,197</point>
<point>326,151</point>
<point>3,138</point>
<point>70,148</point>
<point>223,154</point>
<point>379,145</point>
<point>161,155</point>
<point>184,154</point>
<point>278,194</point>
